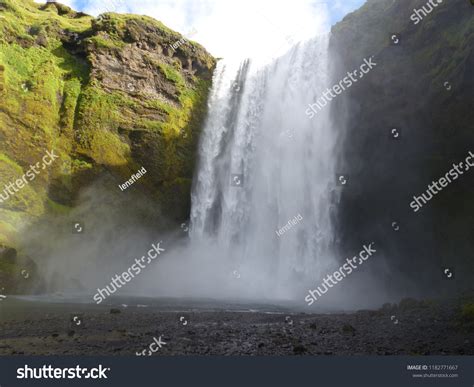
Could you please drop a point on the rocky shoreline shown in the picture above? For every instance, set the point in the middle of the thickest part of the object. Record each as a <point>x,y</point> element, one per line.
<point>415,328</point>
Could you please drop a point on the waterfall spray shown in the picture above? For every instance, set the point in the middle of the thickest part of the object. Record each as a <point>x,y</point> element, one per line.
<point>257,134</point>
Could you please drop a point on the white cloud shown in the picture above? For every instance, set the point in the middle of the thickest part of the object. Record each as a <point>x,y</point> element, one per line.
<point>229,28</point>
<point>234,28</point>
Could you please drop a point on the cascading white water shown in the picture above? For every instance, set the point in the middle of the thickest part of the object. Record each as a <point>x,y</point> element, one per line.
<point>263,162</point>
<point>257,130</point>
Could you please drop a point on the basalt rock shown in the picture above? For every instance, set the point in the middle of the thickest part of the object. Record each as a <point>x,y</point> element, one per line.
<point>423,87</point>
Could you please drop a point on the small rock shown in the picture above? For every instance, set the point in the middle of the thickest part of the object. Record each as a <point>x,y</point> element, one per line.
<point>115,311</point>
<point>347,328</point>
<point>299,349</point>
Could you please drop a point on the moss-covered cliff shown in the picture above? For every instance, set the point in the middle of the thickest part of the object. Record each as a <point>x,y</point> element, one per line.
<point>108,96</point>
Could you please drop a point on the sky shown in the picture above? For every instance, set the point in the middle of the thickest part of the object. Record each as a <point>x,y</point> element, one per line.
<point>234,28</point>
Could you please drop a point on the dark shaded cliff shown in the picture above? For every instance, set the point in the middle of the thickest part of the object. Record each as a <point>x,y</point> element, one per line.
<point>423,87</point>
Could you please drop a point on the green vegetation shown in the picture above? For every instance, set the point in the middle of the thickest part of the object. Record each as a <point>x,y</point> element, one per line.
<point>467,312</point>
<point>171,74</point>
<point>7,267</point>
<point>467,316</point>
<point>56,208</point>
<point>10,163</point>
<point>103,40</point>
<point>63,87</point>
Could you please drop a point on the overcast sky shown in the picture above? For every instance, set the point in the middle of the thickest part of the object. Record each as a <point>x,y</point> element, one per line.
<point>234,28</point>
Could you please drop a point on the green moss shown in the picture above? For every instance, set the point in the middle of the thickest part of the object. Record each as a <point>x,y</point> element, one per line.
<point>12,164</point>
<point>7,230</point>
<point>466,317</point>
<point>57,208</point>
<point>105,41</point>
<point>172,75</point>
<point>467,312</point>
<point>81,164</point>
<point>35,76</point>
<point>51,99</point>
<point>7,267</point>
<point>99,116</point>
<point>72,90</point>
<point>23,20</point>
<point>179,118</point>
<point>117,24</point>
<point>40,88</point>
<point>111,22</point>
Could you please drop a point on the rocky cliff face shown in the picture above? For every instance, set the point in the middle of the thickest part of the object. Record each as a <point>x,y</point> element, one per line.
<point>108,96</point>
<point>422,86</point>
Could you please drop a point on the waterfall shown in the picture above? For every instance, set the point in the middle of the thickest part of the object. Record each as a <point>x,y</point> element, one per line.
<point>264,164</point>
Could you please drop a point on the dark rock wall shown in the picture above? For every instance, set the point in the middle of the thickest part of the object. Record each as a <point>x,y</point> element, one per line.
<point>424,87</point>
